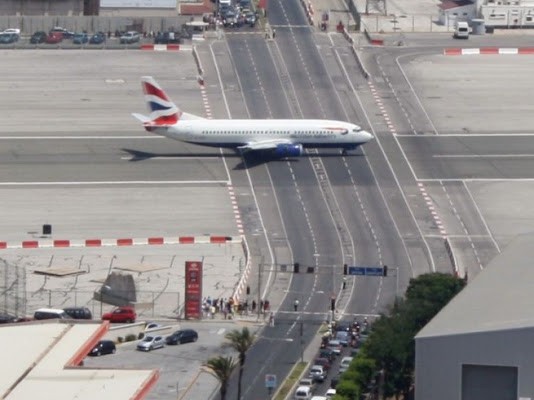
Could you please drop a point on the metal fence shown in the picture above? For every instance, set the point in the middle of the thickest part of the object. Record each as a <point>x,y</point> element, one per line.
<point>30,24</point>
<point>149,304</point>
<point>12,289</point>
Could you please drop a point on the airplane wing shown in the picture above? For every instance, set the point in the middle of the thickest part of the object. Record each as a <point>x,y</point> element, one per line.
<point>264,145</point>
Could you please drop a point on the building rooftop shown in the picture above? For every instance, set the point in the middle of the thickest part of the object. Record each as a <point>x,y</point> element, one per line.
<point>499,298</point>
<point>45,357</point>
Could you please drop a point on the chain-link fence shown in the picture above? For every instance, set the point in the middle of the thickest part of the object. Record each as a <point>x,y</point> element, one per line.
<point>12,289</point>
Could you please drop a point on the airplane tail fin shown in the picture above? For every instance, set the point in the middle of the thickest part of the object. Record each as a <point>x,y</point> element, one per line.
<point>163,112</point>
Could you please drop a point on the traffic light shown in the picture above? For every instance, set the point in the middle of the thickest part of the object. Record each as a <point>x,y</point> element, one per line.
<point>296,268</point>
<point>385,270</point>
<point>345,269</point>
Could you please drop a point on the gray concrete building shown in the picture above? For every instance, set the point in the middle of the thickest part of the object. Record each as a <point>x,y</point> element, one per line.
<point>480,346</point>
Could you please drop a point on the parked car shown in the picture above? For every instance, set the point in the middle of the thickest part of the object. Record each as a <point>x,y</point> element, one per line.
<point>50,313</point>
<point>335,346</point>
<point>7,319</point>
<point>65,33</point>
<point>318,373</point>
<point>38,37</point>
<point>167,38</point>
<point>103,347</point>
<point>80,38</point>
<point>130,37</point>
<point>182,336</point>
<point>7,38</point>
<point>78,312</point>
<point>54,37</point>
<point>121,314</point>
<point>151,343</point>
<point>98,38</point>
<point>12,30</point>
<point>344,364</point>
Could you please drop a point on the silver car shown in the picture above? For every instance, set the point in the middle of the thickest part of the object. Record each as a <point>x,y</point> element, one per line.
<point>151,343</point>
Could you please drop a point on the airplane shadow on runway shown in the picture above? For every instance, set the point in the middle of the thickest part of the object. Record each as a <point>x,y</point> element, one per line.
<point>249,160</point>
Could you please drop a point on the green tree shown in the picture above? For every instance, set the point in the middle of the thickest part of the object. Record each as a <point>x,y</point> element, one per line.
<point>240,341</point>
<point>222,368</point>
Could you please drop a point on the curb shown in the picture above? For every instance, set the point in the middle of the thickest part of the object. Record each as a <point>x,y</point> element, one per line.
<point>64,243</point>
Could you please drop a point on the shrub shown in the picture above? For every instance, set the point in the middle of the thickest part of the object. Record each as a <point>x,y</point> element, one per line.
<point>141,335</point>
<point>120,339</point>
<point>130,337</point>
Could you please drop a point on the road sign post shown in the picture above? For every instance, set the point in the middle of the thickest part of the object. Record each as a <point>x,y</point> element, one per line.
<point>270,383</point>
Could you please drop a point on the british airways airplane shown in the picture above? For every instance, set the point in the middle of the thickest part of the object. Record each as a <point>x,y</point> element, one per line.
<point>280,137</point>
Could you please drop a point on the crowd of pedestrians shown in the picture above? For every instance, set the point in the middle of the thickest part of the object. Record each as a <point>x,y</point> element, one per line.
<point>228,308</point>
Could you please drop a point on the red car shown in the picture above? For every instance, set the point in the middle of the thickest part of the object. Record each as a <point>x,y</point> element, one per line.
<point>124,314</point>
<point>54,37</point>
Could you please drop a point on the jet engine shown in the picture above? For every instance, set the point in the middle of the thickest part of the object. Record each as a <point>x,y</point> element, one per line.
<point>288,150</point>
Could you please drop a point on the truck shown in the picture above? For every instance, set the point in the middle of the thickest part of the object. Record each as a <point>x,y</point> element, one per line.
<point>461,30</point>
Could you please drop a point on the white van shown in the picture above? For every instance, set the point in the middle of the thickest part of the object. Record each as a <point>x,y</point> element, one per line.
<point>50,313</point>
<point>461,30</point>
<point>303,393</point>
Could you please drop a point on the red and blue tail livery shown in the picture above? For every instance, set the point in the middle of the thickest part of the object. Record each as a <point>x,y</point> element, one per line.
<point>280,137</point>
<point>162,110</point>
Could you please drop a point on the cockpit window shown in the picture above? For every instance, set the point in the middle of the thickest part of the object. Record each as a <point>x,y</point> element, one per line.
<point>357,129</point>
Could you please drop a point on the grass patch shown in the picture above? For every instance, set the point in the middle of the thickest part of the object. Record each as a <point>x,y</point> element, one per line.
<point>288,384</point>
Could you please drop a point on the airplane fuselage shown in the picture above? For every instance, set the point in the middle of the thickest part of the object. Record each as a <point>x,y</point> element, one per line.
<point>235,133</point>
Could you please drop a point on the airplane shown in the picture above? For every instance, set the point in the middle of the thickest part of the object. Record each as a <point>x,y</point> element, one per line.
<point>279,137</point>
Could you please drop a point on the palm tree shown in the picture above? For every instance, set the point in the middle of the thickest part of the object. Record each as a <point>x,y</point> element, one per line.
<point>222,368</point>
<point>240,341</point>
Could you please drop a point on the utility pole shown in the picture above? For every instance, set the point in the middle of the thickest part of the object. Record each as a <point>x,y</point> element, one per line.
<point>260,268</point>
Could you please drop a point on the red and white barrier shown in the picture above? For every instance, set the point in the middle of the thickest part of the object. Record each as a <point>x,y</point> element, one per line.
<point>160,47</point>
<point>488,51</point>
<point>121,242</point>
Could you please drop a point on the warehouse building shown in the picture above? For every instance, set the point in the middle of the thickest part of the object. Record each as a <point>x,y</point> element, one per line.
<point>480,345</point>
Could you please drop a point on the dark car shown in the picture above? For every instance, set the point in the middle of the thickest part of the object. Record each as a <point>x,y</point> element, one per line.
<point>7,319</point>
<point>78,312</point>
<point>103,347</point>
<point>327,353</point>
<point>182,336</point>
<point>98,38</point>
<point>7,38</point>
<point>38,37</point>
<point>80,38</point>
<point>167,38</point>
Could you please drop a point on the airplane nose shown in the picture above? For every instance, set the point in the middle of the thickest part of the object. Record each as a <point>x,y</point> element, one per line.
<point>367,136</point>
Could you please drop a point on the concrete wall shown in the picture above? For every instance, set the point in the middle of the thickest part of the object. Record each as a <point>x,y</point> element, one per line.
<point>41,7</point>
<point>438,361</point>
<point>498,15</point>
<point>30,24</point>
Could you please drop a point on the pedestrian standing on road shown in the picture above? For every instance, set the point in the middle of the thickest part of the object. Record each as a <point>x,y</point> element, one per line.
<point>296,304</point>
<point>344,283</point>
<point>253,305</point>
<point>261,305</point>
<point>274,33</point>
<point>271,319</point>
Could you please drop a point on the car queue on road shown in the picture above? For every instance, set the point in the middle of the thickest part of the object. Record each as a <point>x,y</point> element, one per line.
<point>339,346</point>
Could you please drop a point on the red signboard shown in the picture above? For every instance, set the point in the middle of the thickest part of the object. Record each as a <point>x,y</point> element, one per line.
<point>193,289</point>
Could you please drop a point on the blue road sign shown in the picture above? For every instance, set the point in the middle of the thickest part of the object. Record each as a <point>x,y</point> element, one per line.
<point>356,270</point>
<point>366,271</point>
